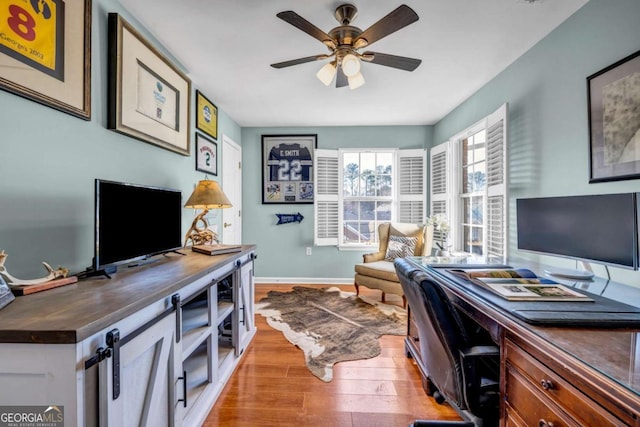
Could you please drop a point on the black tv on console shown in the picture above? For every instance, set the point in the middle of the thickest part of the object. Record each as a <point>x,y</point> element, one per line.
<point>134,222</point>
<point>597,228</point>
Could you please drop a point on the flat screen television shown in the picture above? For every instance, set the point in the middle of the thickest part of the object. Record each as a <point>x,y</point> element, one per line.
<point>134,222</point>
<point>597,228</point>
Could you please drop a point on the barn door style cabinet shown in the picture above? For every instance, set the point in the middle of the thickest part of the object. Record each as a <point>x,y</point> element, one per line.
<point>153,346</point>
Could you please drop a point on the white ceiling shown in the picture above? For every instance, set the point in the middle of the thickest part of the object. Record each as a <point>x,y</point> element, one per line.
<point>227,47</point>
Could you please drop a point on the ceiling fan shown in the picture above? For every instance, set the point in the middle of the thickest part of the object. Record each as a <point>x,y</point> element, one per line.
<point>345,42</point>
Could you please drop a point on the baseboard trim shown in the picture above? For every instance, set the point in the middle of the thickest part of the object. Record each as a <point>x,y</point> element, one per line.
<point>304,280</point>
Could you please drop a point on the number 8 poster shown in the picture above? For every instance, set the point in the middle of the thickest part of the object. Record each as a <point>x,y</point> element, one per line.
<point>42,49</point>
<point>45,52</point>
<point>287,168</point>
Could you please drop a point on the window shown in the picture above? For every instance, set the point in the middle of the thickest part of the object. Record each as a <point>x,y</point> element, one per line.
<point>367,195</point>
<point>469,185</point>
<point>472,195</point>
<point>356,190</point>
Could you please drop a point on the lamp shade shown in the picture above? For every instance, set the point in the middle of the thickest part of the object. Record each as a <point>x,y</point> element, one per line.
<point>327,73</point>
<point>208,195</point>
<point>350,65</point>
<point>355,81</point>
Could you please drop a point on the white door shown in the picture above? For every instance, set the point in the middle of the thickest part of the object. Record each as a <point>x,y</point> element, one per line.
<point>231,226</point>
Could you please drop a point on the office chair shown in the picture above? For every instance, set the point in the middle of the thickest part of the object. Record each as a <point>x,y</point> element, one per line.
<point>462,363</point>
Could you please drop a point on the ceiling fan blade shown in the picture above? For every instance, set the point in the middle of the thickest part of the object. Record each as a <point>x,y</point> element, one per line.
<point>302,24</point>
<point>299,61</point>
<point>394,21</point>
<point>341,78</point>
<point>401,62</point>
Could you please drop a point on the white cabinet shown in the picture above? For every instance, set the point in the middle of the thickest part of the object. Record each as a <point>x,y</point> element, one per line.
<point>128,359</point>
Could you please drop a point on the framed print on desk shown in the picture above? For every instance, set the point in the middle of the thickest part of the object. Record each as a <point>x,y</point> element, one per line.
<point>614,121</point>
<point>149,97</point>
<point>206,155</point>
<point>38,62</point>
<point>206,115</point>
<point>287,168</point>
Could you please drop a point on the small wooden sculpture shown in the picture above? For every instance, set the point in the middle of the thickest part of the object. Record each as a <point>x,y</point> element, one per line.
<point>53,274</point>
<point>200,235</point>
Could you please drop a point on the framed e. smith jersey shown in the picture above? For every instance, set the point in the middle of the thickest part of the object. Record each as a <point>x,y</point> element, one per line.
<point>287,168</point>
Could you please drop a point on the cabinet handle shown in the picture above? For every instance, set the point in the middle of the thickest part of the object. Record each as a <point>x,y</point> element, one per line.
<point>547,384</point>
<point>543,423</point>
<point>184,388</point>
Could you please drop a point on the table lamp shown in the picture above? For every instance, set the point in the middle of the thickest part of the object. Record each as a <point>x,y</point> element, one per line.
<point>207,195</point>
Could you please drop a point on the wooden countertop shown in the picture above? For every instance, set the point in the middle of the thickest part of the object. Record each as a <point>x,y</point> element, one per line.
<point>72,313</point>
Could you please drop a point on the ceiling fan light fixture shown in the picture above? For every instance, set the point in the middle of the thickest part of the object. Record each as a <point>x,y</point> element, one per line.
<point>350,65</point>
<point>327,73</point>
<point>355,81</point>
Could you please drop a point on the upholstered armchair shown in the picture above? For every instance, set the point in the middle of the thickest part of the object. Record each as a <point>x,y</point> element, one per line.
<point>397,240</point>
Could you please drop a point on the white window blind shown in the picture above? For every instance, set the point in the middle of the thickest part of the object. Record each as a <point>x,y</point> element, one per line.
<point>439,183</point>
<point>412,185</point>
<point>497,183</point>
<point>326,176</point>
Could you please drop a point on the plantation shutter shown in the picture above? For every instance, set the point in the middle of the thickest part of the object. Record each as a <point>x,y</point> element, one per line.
<point>497,201</point>
<point>412,195</point>
<point>325,205</point>
<point>439,183</point>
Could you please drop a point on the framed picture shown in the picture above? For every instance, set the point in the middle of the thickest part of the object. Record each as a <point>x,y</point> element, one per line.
<point>206,115</point>
<point>287,168</point>
<point>39,59</point>
<point>5,293</point>
<point>149,97</point>
<point>206,155</point>
<point>614,121</point>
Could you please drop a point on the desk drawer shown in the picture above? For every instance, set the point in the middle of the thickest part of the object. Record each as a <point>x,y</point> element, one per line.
<point>547,388</point>
<point>532,407</point>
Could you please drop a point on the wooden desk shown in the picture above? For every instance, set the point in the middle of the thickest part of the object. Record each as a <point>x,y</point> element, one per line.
<point>556,376</point>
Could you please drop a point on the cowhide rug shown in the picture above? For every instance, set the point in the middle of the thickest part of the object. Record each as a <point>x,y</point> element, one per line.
<point>331,326</point>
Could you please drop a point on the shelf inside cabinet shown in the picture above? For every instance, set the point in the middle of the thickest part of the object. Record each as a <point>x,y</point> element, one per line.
<point>199,373</point>
<point>193,339</point>
<point>196,323</point>
<point>224,309</point>
<point>225,351</point>
<point>194,315</point>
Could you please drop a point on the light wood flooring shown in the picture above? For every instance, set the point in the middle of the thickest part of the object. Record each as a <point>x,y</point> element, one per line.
<point>272,386</point>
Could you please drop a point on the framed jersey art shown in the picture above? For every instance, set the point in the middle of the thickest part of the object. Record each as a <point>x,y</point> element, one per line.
<point>287,168</point>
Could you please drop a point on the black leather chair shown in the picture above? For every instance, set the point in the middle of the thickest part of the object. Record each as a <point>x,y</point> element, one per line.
<point>463,363</point>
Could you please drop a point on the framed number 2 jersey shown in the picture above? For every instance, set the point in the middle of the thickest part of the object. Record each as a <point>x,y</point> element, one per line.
<point>287,168</point>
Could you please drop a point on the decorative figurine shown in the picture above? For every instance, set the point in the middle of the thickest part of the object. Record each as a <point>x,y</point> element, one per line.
<point>53,274</point>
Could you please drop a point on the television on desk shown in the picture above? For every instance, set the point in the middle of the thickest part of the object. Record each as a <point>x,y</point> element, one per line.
<point>134,222</point>
<point>597,228</point>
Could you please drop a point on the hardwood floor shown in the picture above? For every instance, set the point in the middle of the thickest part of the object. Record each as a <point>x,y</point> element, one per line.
<point>272,386</point>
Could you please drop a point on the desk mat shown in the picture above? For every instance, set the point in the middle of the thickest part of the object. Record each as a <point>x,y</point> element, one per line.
<point>601,312</point>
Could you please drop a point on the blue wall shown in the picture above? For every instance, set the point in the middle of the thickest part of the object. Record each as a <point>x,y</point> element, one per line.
<point>50,159</point>
<point>281,248</point>
<point>547,94</point>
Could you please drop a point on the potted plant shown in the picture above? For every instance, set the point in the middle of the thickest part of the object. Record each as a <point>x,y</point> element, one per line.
<point>441,229</point>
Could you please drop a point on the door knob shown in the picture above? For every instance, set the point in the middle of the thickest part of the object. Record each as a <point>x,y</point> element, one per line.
<point>226,224</point>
